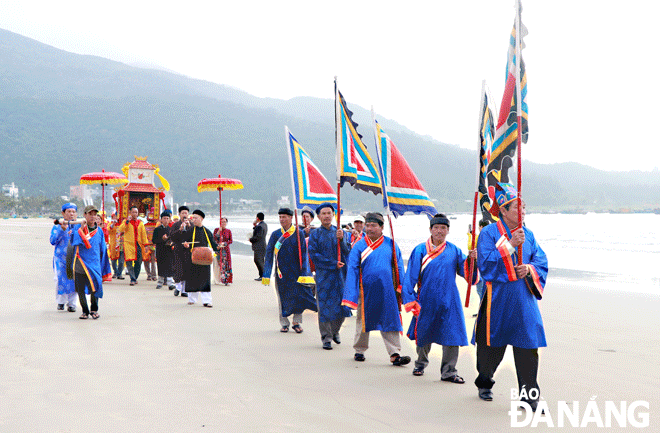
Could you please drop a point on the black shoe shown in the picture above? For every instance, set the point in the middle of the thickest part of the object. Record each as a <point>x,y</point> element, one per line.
<point>71,309</point>
<point>533,404</point>
<point>176,292</point>
<point>399,360</point>
<point>258,279</point>
<point>172,287</point>
<point>327,345</point>
<point>184,295</point>
<point>336,339</point>
<point>60,307</point>
<point>120,278</point>
<point>359,357</point>
<point>159,286</point>
<point>485,394</point>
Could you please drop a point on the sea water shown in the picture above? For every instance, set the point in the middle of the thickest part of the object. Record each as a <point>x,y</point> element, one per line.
<point>597,250</point>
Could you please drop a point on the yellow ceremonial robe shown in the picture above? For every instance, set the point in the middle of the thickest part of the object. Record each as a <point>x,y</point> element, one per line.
<point>131,241</point>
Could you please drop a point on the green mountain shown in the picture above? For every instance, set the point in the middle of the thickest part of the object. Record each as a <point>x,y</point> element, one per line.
<point>63,114</point>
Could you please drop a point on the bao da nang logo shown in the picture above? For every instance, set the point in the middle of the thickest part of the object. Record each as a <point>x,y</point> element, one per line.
<point>588,414</point>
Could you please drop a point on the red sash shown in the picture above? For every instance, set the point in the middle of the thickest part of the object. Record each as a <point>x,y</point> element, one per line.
<point>371,246</point>
<point>86,235</point>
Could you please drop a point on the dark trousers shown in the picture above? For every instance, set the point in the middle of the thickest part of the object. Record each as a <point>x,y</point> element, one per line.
<point>81,282</point>
<point>118,264</point>
<point>135,266</point>
<point>489,358</point>
<point>259,258</point>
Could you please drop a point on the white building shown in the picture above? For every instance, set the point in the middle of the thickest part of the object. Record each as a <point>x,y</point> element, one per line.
<point>10,190</point>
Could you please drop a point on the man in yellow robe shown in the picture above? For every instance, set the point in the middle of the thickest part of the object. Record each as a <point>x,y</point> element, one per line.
<point>135,238</point>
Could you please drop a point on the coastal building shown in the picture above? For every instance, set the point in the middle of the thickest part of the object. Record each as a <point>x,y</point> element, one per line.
<point>10,190</point>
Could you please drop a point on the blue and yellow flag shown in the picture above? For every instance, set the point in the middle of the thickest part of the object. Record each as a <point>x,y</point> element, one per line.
<point>486,135</point>
<point>506,134</point>
<point>310,187</point>
<point>354,164</point>
<point>403,191</point>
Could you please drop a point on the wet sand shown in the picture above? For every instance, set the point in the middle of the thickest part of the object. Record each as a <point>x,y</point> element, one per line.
<point>152,363</point>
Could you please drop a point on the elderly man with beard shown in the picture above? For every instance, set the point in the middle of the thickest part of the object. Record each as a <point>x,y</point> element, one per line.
<point>197,277</point>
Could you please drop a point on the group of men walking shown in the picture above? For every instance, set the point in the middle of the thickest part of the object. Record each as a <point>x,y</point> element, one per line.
<point>332,271</point>
<point>81,261</point>
<point>364,271</point>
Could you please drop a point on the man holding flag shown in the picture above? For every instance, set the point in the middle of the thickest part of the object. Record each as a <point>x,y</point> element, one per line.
<point>285,251</point>
<point>509,312</point>
<point>330,274</point>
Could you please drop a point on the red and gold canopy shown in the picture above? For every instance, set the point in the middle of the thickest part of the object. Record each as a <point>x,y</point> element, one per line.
<point>103,177</point>
<point>218,183</point>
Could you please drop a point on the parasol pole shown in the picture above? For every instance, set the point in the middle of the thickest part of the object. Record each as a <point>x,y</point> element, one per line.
<point>519,126</point>
<point>222,238</point>
<point>103,194</point>
<point>339,162</point>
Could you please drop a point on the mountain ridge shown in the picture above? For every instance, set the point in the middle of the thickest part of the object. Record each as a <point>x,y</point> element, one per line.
<point>100,113</point>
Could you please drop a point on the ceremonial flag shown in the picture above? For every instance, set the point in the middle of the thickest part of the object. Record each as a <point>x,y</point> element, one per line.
<point>354,165</point>
<point>506,135</point>
<point>403,191</point>
<point>310,187</point>
<point>486,135</point>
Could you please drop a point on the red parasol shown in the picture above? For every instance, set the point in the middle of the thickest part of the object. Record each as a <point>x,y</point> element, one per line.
<point>103,178</point>
<point>219,183</point>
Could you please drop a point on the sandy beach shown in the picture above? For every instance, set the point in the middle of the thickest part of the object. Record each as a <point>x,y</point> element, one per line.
<point>152,363</point>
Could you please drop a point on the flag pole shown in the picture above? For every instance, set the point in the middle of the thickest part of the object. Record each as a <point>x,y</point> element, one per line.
<point>338,161</point>
<point>397,277</point>
<point>473,228</point>
<point>287,141</point>
<point>519,126</point>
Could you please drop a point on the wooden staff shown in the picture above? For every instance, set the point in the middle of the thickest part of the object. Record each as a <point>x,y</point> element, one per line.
<point>397,278</point>
<point>519,126</point>
<point>299,247</point>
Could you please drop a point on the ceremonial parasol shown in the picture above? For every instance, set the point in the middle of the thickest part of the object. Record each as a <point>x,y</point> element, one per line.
<point>219,183</point>
<point>104,178</point>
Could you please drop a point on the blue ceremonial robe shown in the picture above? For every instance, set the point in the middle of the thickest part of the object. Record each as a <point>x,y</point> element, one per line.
<point>376,294</point>
<point>92,254</point>
<point>60,239</point>
<point>294,297</point>
<point>512,311</point>
<point>441,319</point>
<point>322,248</point>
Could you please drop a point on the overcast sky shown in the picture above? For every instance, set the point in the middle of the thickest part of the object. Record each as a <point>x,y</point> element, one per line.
<point>591,65</point>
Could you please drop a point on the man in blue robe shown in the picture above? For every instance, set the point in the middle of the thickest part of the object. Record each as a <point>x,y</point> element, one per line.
<point>330,274</point>
<point>371,289</point>
<point>60,236</point>
<point>436,305</point>
<point>509,312</point>
<point>90,263</point>
<point>286,250</point>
